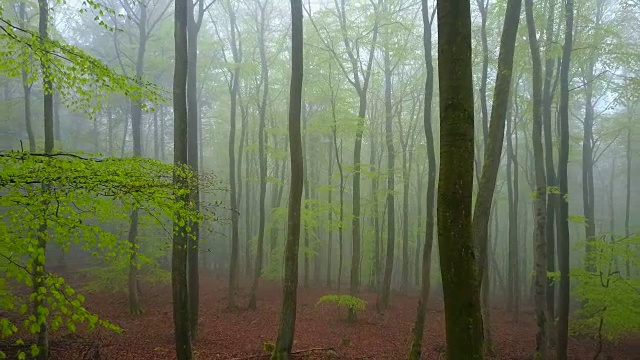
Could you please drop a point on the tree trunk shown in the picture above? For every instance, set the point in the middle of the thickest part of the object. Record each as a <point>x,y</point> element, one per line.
<point>338,154</point>
<point>305,174</point>
<point>38,267</point>
<point>455,186</point>
<point>26,87</point>
<point>330,227</point>
<point>492,155</point>
<point>179,251</point>
<point>383,301</point>
<point>417,334</point>
<point>257,269</point>
<point>284,341</point>
<point>552,200</point>
<point>136,132</point>
<point>193,275</point>
<point>540,201</point>
<point>483,6</point>
<point>233,263</point>
<point>247,206</point>
<point>513,218</point>
<point>588,192</point>
<point>562,219</point>
<point>627,211</point>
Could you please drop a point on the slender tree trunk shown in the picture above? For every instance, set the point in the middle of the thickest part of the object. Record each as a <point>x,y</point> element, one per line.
<point>162,132</point>
<point>552,200</point>
<point>110,131</point>
<point>257,270</point>
<point>26,87</point>
<point>417,334</point>
<point>247,207</point>
<point>540,201</point>
<point>588,191</point>
<point>418,262</point>
<point>38,266</point>
<point>483,6</point>
<point>235,241</point>
<point>383,301</point>
<point>136,131</point>
<point>513,218</point>
<point>56,116</point>
<point>306,198</point>
<point>330,229</point>
<point>338,154</point>
<point>179,287</point>
<point>193,275</point>
<point>563,181</point>
<point>627,211</point>
<point>156,145</point>
<point>492,155</point>
<point>284,342</point>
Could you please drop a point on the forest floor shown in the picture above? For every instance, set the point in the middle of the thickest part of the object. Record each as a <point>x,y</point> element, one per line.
<point>240,334</point>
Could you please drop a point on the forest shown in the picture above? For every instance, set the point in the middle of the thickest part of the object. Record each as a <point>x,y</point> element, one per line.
<point>362,179</point>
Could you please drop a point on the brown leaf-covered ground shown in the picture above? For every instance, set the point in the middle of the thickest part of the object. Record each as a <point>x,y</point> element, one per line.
<point>241,333</point>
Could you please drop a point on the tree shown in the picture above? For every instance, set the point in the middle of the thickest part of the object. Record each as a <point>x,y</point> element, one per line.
<point>562,220</point>
<point>264,84</point>
<point>38,270</point>
<point>290,283</point>
<point>540,201</point>
<point>418,328</point>
<point>493,153</point>
<point>26,87</point>
<point>358,75</point>
<point>383,301</point>
<point>233,91</point>
<point>179,254</point>
<point>455,186</point>
<point>194,22</point>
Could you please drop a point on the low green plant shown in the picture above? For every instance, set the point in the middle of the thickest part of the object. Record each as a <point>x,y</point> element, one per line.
<point>352,303</point>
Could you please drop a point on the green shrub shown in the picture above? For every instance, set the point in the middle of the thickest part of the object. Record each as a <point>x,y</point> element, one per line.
<point>352,303</point>
<point>610,299</point>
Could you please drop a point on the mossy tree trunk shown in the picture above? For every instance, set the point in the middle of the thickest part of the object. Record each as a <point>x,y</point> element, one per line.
<point>455,186</point>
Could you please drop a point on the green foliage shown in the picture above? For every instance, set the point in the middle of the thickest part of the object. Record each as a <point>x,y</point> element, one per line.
<point>610,300</point>
<point>268,346</point>
<point>351,302</point>
<point>65,198</point>
<point>82,80</point>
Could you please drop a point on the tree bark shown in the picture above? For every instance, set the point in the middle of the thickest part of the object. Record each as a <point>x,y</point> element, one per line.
<point>417,334</point>
<point>38,267</point>
<point>235,241</point>
<point>193,276</point>
<point>455,186</point>
<point>383,300</point>
<point>136,132</point>
<point>493,152</point>
<point>540,201</point>
<point>286,330</point>
<point>26,87</point>
<point>179,252</point>
<point>552,200</point>
<point>562,219</point>
<point>257,269</point>
<point>627,211</point>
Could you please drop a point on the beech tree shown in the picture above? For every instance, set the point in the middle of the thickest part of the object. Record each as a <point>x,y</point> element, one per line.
<point>455,185</point>
<point>290,282</point>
